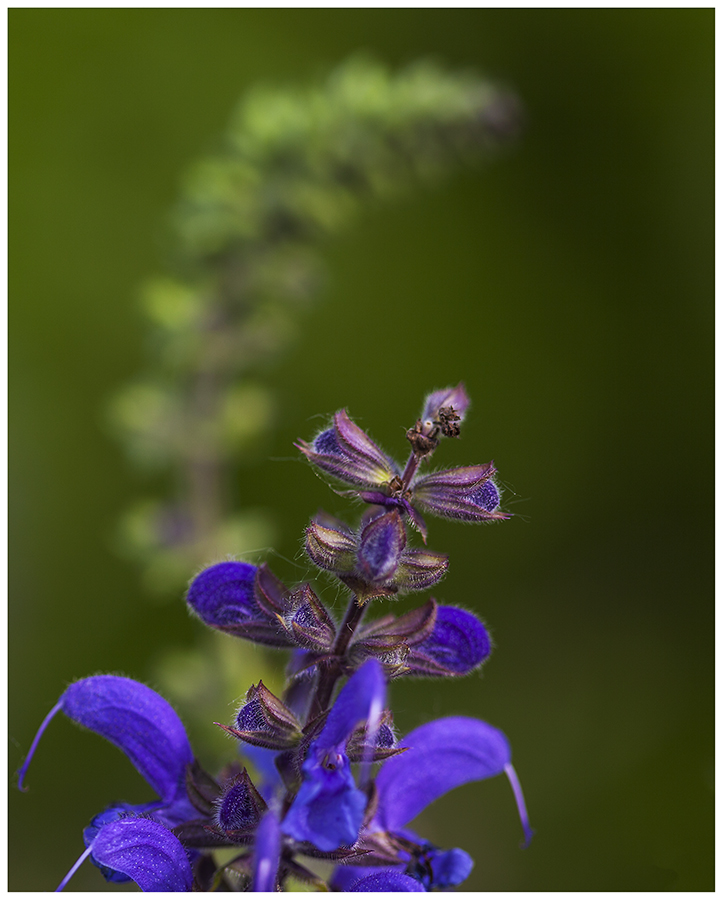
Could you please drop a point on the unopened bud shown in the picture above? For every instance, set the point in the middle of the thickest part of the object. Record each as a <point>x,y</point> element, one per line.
<point>380,547</point>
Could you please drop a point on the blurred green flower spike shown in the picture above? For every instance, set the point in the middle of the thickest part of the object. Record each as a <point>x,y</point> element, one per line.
<point>296,167</point>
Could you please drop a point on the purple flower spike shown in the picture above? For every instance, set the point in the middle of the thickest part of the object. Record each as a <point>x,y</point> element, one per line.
<point>146,852</point>
<point>442,755</point>
<point>457,645</point>
<point>349,454</point>
<point>386,880</point>
<point>465,493</point>
<point>267,853</point>
<point>381,546</point>
<point>134,718</point>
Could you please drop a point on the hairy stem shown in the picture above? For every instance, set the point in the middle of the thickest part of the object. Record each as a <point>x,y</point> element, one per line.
<point>331,672</point>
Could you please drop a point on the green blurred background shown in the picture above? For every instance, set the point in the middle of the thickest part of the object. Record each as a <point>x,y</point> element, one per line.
<point>569,284</point>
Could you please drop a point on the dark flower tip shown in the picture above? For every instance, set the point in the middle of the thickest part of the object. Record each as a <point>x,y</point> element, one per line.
<point>326,442</point>
<point>487,497</point>
<point>224,594</point>
<point>241,806</point>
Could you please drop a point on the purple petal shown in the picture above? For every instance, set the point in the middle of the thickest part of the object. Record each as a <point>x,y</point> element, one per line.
<point>361,698</point>
<point>267,853</point>
<point>443,754</point>
<point>329,808</point>
<point>461,479</point>
<point>386,880</point>
<point>449,867</point>
<point>140,722</point>
<point>380,547</point>
<point>224,594</point>
<point>458,644</point>
<point>145,851</point>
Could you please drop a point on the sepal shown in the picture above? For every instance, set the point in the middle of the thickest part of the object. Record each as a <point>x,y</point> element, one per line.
<point>466,493</point>
<point>265,721</point>
<point>203,790</point>
<point>309,624</point>
<point>349,454</point>
<point>272,595</point>
<point>420,569</point>
<point>380,547</point>
<point>240,808</point>
<point>358,747</point>
<point>330,548</point>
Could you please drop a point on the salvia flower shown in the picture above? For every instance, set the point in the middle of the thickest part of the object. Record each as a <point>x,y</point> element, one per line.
<point>147,729</point>
<point>329,808</point>
<point>440,756</point>
<point>329,779</point>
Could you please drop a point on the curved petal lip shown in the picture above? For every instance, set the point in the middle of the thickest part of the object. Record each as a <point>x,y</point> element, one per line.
<point>145,851</point>
<point>442,755</point>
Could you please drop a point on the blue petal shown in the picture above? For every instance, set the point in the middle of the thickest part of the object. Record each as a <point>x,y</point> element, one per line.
<point>146,852</point>
<point>387,880</point>
<point>459,641</point>
<point>140,722</point>
<point>361,698</point>
<point>443,754</point>
<point>267,853</point>
<point>449,867</point>
<point>224,594</point>
<point>329,808</point>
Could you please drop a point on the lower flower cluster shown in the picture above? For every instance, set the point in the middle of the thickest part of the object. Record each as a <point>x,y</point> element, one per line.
<point>331,781</point>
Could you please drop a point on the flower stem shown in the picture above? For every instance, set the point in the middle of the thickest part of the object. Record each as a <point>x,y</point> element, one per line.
<point>331,672</point>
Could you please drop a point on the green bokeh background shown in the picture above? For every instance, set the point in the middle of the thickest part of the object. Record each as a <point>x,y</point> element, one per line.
<point>569,284</point>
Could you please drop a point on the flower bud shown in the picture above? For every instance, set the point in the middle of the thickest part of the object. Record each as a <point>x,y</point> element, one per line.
<point>458,644</point>
<point>265,721</point>
<point>226,596</point>
<point>241,806</point>
<point>384,743</point>
<point>466,493</point>
<point>333,549</point>
<point>380,547</point>
<point>349,454</point>
<point>310,625</point>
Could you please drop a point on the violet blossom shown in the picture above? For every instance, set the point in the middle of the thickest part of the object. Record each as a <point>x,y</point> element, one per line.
<point>329,778</point>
